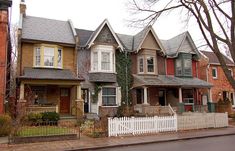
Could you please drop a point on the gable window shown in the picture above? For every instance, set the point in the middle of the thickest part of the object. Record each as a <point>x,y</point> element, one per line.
<point>231,72</point>
<point>109,96</point>
<point>102,59</point>
<point>150,64</point>
<point>178,66</point>
<point>141,64</point>
<point>49,56</point>
<point>105,61</point>
<point>183,65</point>
<point>214,73</point>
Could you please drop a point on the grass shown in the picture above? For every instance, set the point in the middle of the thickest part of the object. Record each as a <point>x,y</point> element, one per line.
<point>43,131</point>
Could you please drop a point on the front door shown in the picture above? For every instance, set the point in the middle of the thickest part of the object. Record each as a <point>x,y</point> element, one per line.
<point>85,97</point>
<point>161,95</point>
<point>64,100</point>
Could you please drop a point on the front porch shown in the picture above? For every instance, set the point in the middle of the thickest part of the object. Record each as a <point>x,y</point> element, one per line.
<point>164,94</point>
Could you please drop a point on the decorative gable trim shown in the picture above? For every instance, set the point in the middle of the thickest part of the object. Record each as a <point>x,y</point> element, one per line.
<point>150,29</point>
<point>91,40</point>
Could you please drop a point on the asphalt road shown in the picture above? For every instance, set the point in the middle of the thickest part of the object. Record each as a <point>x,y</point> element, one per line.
<point>222,143</point>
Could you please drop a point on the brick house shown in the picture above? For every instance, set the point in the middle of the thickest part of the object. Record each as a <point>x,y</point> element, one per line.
<point>5,52</point>
<point>97,64</point>
<point>212,72</point>
<point>47,65</point>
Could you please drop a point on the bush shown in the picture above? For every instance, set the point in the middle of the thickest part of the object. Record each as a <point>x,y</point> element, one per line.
<point>5,125</point>
<point>35,117</point>
<point>50,116</point>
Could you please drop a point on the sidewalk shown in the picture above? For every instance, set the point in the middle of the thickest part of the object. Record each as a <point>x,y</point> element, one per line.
<point>86,143</point>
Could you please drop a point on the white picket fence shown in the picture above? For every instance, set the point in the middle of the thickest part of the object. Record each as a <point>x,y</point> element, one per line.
<point>141,125</point>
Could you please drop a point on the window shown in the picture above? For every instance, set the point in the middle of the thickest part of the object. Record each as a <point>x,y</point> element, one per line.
<point>178,67</point>
<point>141,65</point>
<point>183,65</point>
<point>109,96</point>
<point>188,97</point>
<point>48,56</point>
<point>39,94</point>
<point>214,73</point>
<point>231,71</point>
<point>150,64</point>
<point>102,59</point>
<point>37,56</point>
<point>105,61</point>
<point>59,63</point>
<point>187,66</point>
<point>95,61</point>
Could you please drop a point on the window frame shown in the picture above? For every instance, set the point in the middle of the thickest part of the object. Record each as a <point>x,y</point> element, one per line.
<point>99,49</point>
<point>216,73</point>
<point>231,71</point>
<point>139,58</point>
<point>55,58</point>
<point>181,60</point>
<point>114,105</point>
<point>147,65</point>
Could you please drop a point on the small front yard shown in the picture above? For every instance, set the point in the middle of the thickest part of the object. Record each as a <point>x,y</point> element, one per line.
<point>43,131</point>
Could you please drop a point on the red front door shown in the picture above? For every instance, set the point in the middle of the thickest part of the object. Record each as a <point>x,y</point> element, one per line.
<point>64,100</point>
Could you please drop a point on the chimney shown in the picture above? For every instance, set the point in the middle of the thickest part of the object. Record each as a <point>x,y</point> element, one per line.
<point>23,8</point>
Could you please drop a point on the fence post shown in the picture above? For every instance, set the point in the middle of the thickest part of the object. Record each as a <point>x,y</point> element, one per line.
<point>109,127</point>
<point>133,125</point>
<point>176,122</point>
<point>155,118</point>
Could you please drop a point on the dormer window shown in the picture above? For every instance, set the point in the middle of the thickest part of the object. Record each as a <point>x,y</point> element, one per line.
<point>102,59</point>
<point>48,56</point>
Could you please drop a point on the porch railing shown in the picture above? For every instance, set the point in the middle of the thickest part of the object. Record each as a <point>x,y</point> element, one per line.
<point>40,109</point>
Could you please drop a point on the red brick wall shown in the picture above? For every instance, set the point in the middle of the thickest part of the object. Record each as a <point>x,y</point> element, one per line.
<point>3,61</point>
<point>194,68</point>
<point>170,66</point>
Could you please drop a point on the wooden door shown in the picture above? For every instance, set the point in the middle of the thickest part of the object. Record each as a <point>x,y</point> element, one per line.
<point>64,100</point>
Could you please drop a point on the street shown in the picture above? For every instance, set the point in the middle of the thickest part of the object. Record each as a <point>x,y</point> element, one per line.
<point>223,143</point>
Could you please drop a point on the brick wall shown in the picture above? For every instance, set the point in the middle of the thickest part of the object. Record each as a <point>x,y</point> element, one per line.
<point>3,53</point>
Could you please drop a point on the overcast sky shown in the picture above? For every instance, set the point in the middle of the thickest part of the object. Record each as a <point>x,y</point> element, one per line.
<point>88,14</point>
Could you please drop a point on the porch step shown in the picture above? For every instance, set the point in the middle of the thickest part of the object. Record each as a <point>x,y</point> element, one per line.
<point>92,116</point>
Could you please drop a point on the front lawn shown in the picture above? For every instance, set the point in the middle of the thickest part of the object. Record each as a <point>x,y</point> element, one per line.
<point>43,131</point>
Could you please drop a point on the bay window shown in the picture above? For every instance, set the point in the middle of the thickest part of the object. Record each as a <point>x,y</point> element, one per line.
<point>102,59</point>
<point>141,65</point>
<point>146,64</point>
<point>49,56</point>
<point>150,64</point>
<point>183,65</point>
<point>109,96</point>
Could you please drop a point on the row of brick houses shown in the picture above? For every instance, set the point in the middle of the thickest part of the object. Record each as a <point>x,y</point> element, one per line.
<point>5,53</point>
<point>75,71</point>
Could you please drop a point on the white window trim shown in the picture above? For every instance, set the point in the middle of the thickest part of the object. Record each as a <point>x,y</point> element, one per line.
<point>116,89</point>
<point>216,72</point>
<point>231,71</point>
<point>103,48</point>
<point>154,65</point>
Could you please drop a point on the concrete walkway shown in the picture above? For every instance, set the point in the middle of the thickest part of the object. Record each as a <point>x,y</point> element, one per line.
<point>86,143</point>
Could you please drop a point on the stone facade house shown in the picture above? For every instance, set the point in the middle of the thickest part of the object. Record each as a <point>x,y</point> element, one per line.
<point>212,72</point>
<point>5,52</point>
<point>47,65</point>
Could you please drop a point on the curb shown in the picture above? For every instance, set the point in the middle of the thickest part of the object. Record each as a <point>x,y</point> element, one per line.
<point>149,142</point>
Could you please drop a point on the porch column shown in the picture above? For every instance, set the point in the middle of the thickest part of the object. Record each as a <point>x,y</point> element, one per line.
<point>21,91</point>
<point>80,105</point>
<point>180,95</point>
<point>181,104</point>
<point>145,95</point>
<point>211,105</point>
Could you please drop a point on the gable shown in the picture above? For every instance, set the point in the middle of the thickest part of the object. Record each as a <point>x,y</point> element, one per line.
<point>186,47</point>
<point>105,36</point>
<point>150,42</point>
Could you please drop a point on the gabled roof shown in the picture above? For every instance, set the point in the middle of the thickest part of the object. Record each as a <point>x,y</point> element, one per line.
<point>173,45</point>
<point>98,30</point>
<point>49,30</point>
<point>214,60</point>
<point>140,37</point>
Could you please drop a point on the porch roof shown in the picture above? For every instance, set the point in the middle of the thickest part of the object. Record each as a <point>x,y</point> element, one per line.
<point>49,74</point>
<point>166,80</point>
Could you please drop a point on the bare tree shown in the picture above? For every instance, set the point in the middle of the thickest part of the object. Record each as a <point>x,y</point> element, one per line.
<point>215,19</point>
